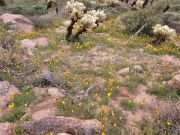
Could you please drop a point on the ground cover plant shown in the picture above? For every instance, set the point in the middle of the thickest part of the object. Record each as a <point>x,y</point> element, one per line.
<point>110,67</point>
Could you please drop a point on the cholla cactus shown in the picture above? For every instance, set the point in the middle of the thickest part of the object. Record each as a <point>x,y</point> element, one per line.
<point>76,9</point>
<point>90,19</point>
<point>93,2</point>
<point>162,33</point>
<point>111,2</point>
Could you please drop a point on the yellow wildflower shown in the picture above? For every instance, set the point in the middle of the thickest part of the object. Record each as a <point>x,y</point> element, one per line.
<point>63,102</point>
<point>109,94</point>
<point>103,133</point>
<point>112,113</point>
<point>129,101</point>
<point>115,125</point>
<point>120,118</point>
<point>11,106</point>
<point>168,123</point>
<point>142,103</point>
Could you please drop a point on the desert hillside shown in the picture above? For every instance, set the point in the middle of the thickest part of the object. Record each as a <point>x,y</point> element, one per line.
<point>89,67</point>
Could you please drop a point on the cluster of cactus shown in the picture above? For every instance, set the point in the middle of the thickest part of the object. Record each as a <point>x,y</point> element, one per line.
<point>162,33</point>
<point>111,2</point>
<point>89,19</point>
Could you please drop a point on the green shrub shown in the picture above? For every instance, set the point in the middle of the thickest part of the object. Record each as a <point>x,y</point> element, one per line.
<point>164,92</point>
<point>14,115</point>
<point>35,10</point>
<point>128,104</point>
<point>80,109</point>
<point>19,130</point>
<point>25,98</point>
<point>133,21</point>
<point>174,5</point>
<point>42,22</point>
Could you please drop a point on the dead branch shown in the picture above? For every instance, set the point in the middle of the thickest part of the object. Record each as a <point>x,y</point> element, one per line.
<point>90,88</point>
<point>132,37</point>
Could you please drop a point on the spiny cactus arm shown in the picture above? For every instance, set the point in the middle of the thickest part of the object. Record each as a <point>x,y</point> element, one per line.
<point>145,3</point>
<point>69,29</point>
<point>166,9</point>
<point>2,3</point>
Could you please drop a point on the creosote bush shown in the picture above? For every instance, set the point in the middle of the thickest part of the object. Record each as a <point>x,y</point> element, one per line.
<point>133,21</point>
<point>35,10</point>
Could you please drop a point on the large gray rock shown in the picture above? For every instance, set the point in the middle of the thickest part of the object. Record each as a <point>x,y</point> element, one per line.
<point>175,82</point>
<point>172,19</point>
<point>7,92</point>
<point>62,124</point>
<point>17,22</point>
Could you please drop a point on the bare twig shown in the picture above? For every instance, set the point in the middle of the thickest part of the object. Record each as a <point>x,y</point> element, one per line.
<point>90,88</point>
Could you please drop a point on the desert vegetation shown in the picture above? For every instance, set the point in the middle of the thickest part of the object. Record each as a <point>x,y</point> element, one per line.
<point>81,67</point>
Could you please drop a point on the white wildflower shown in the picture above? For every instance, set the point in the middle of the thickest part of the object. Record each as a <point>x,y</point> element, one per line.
<point>164,31</point>
<point>76,9</point>
<point>111,2</point>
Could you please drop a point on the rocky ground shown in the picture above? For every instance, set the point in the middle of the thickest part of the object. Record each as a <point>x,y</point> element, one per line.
<point>98,86</point>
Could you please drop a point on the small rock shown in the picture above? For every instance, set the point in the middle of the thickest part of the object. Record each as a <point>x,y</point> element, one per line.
<point>175,82</point>
<point>120,78</point>
<point>7,92</point>
<point>61,30</point>
<point>63,134</point>
<point>44,113</point>
<point>29,45</point>
<point>123,91</point>
<point>100,81</point>
<point>67,23</point>
<point>40,91</point>
<point>55,92</point>
<point>138,68</point>
<point>141,50</point>
<point>43,41</point>
<point>124,71</point>
<point>150,84</point>
<point>141,87</point>
<point>6,129</point>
